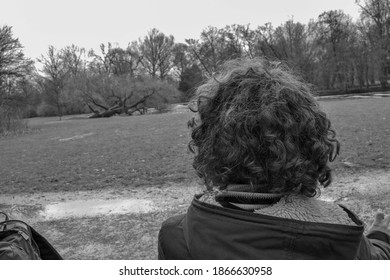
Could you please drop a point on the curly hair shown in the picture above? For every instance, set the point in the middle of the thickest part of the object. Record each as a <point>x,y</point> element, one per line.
<point>259,124</point>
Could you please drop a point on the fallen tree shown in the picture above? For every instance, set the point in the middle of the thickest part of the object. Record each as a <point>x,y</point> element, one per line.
<point>138,106</point>
<point>107,96</point>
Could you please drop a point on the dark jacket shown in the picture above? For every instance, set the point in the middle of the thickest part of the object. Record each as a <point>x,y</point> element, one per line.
<point>212,232</point>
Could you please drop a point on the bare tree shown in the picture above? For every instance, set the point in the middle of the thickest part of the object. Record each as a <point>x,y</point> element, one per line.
<point>102,63</point>
<point>55,73</point>
<point>15,69</point>
<point>181,59</point>
<point>156,51</point>
<point>115,60</point>
<point>74,59</point>
<point>378,12</point>
<point>241,39</point>
<point>13,64</point>
<point>335,36</point>
<point>125,61</point>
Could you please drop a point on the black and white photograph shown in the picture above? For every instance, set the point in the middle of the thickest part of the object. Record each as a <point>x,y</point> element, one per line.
<point>195,130</point>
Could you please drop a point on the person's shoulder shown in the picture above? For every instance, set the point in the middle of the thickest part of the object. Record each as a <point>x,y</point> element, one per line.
<point>171,240</point>
<point>173,221</point>
<point>299,207</point>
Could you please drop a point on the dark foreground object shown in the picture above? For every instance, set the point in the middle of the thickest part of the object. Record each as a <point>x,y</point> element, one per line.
<point>19,241</point>
<point>211,232</point>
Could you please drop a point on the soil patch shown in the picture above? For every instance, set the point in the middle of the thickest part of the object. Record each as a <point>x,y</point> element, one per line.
<point>68,205</point>
<point>96,207</point>
<point>76,137</point>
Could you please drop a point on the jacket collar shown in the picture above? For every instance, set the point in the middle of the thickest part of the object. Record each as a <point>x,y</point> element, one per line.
<point>213,232</point>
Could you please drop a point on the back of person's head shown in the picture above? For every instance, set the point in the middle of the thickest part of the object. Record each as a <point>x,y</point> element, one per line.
<point>259,124</point>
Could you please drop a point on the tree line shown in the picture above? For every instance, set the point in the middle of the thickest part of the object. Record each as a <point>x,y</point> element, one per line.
<point>332,52</point>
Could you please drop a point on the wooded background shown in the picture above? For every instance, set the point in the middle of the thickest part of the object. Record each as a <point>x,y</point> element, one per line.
<point>333,52</point>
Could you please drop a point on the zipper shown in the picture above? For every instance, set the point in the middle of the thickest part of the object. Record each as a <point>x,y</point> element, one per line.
<point>13,231</point>
<point>25,236</point>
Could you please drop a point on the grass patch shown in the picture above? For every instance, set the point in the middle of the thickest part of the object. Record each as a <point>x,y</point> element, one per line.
<point>363,129</point>
<point>11,123</point>
<point>87,154</point>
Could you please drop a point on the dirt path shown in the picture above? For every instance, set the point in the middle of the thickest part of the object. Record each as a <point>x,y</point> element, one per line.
<point>73,221</point>
<point>364,193</point>
<point>62,205</point>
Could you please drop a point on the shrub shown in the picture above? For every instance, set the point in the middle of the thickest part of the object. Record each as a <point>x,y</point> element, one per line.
<point>11,122</point>
<point>166,94</point>
<point>163,108</point>
<point>46,110</point>
<point>30,112</point>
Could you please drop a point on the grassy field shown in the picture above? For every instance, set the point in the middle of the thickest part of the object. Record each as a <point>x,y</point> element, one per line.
<point>113,152</point>
<point>363,129</point>
<point>148,156</point>
<point>152,149</point>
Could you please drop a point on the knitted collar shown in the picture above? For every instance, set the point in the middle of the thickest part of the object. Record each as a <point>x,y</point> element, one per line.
<point>244,197</point>
<point>292,206</point>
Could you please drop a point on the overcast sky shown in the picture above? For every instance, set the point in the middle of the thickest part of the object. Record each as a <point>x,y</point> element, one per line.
<point>88,23</point>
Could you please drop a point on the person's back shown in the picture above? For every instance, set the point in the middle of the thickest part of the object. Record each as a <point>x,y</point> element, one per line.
<point>262,147</point>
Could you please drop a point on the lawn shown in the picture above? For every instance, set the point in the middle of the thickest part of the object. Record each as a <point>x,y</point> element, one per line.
<point>147,157</point>
<point>363,129</point>
<point>87,154</point>
<point>152,150</point>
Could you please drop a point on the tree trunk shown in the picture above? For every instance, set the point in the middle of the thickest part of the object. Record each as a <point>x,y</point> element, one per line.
<point>383,75</point>
<point>106,114</point>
